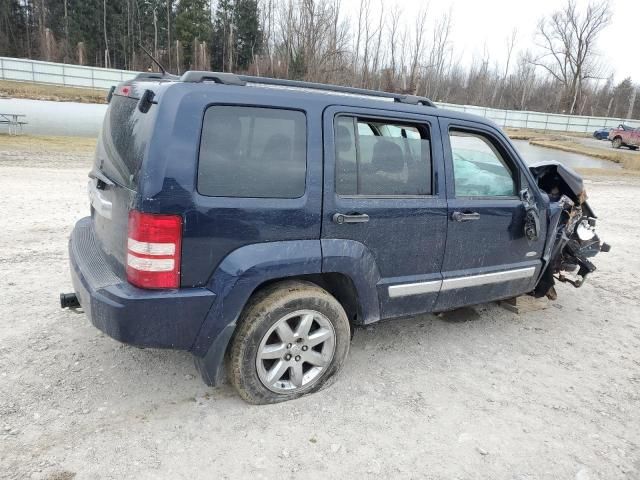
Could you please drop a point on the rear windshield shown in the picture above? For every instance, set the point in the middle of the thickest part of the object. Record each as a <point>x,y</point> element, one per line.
<point>252,152</point>
<point>125,134</point>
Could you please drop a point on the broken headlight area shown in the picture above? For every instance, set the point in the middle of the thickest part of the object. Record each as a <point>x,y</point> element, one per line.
<point>572,238</point>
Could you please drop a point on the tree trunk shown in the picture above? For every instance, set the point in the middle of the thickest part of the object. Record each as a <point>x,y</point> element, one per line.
<point>169,32</point>
<point>104,26</point>
<point>632,103</point>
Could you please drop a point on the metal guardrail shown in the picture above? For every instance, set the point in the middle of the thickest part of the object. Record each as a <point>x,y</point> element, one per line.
<point>542,121</point>
<point>35,71</point>
<point>25,70</point>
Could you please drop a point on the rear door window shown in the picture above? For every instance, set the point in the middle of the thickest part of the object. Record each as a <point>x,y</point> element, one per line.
<point>382,158</point>
<point>252,152</point>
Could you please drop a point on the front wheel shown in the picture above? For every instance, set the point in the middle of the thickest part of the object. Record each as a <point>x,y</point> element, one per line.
<point>291,339</point>
<point>616,142</point>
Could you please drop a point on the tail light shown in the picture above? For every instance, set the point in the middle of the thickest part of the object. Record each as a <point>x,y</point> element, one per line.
<point>123,90</point>
<point>153,250</point>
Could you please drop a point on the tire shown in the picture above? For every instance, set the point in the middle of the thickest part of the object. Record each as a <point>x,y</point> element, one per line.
<point>262,332</point>
<point>616,142</point>
<point>633,147</point>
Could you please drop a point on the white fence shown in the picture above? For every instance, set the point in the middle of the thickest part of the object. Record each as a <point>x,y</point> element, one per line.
<point>25,70</point>
<point>542,121</point>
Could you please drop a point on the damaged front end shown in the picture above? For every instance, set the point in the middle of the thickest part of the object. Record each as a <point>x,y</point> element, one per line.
<point>571,236</point>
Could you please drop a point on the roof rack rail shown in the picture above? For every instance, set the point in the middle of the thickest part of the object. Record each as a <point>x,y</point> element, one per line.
<point>416,100</point>
<point>155,75</point>
<point>195,76</point>
<point>401,98</point>
<point>241,80</point>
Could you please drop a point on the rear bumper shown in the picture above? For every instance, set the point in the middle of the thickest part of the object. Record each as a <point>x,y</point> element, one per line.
<point>146,318</point>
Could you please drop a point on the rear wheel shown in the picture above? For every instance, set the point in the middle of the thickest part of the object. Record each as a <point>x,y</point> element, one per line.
<point>291,339</point>
<point>616,142</point>
<point>633,147</point>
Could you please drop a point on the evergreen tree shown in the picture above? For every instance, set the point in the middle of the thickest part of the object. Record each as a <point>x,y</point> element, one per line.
<point>193,21</point>
<point>222,57</point>
<point>237,36</point>
<point>248,34</point>
<point>13,28</point>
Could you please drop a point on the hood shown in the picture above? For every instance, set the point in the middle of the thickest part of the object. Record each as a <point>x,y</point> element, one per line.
<point>571,183</point>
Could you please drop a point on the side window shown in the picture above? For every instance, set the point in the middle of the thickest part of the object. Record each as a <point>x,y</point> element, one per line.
<point>479,168</point>
<point>375,157</point>
<point>252,152</point>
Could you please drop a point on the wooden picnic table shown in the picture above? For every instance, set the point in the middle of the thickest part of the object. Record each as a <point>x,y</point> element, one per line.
<point>13,121</point>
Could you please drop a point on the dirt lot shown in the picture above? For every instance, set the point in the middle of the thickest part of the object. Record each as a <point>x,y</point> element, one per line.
<point>479,393</point>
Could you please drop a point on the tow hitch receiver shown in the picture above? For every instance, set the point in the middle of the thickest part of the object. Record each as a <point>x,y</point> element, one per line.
<point>69,300</point>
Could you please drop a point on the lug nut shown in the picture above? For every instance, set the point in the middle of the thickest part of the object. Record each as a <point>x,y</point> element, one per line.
<point>288,345</point>
<point>298,357</point>
<point>287,357</point>
<point>305,348</point>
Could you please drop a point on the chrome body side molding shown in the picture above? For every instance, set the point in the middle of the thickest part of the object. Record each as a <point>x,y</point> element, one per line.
<point>403,290</point>
<point>487,278</point>
<point>418,288</point>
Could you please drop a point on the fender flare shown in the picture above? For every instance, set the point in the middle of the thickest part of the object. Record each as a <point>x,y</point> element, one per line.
<point>246,268</point>
<point>354,260</point>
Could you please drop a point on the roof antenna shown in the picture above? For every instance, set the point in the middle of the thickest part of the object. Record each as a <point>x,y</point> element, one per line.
<point>164,72</point>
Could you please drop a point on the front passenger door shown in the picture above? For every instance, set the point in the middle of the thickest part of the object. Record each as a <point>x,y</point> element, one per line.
<point>487,255</point>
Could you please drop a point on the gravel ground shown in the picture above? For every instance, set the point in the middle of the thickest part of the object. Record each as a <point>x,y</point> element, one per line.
<point>477,393</point>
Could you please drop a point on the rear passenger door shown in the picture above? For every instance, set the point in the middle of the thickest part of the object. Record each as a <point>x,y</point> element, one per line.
<point>383,188</point>
<point>488,256</point>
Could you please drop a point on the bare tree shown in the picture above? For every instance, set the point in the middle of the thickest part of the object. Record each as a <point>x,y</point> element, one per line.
<point>418,40</point>
<point>568,43</point>
<point>632,102</point>
<point>511,43</point>
<point>439,55</point>
<point>376,56</point>
<point>392,27</point>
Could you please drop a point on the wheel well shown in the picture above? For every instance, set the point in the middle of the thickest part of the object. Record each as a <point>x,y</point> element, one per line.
<point>337,284</point>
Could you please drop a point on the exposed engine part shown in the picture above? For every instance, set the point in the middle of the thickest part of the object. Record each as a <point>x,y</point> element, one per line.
<point>571,229</point>
<point>585,231</point>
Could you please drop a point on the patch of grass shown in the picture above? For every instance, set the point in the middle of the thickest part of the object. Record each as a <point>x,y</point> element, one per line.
<point>530,134</point>
<point>36,91</point>
<point>632,163</point>
<point>47,144</point>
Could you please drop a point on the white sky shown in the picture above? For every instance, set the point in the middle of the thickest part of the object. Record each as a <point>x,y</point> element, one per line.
<point>477,23</point>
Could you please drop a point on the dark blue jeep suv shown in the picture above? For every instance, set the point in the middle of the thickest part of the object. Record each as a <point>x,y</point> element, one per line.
<point>254,222</point>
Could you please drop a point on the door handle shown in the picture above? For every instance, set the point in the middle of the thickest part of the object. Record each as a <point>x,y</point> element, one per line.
<point>465,217</point>
<point>341,218</point>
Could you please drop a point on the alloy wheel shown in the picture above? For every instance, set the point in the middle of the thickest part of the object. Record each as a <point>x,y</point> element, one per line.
<point>296,351</point>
